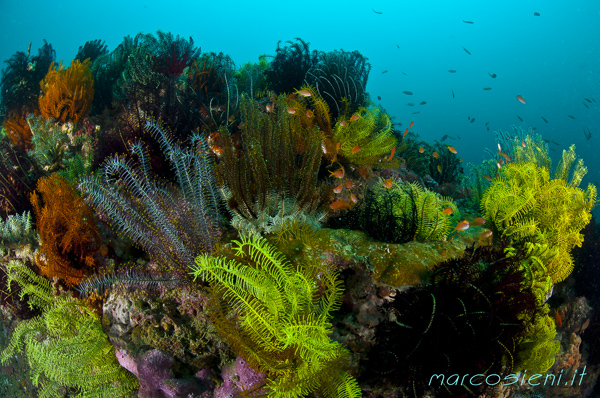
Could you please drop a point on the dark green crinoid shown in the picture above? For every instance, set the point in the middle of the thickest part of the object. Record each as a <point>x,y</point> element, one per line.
<point>405,212</point>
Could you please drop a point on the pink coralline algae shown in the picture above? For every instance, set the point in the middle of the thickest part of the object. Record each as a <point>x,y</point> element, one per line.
<point>238,376</point>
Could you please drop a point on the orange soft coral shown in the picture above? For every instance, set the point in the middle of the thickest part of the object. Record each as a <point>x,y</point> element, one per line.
<point>67,93</point>
<point>18,130</point>
<point>67,231</point>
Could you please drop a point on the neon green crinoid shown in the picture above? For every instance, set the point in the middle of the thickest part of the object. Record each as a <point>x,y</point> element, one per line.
<point>534,257</point>
<point>366,140</point>
<point>65,346</point>
<point>282,318</point>
<point>525,205</point>
<point>538,348</point>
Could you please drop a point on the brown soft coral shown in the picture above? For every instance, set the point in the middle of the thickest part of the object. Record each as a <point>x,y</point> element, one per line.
<point>67,94</point>
<point>67,230</point>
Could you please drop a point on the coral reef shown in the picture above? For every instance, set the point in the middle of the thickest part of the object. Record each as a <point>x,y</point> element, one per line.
<point>321,231</point>
<point>58,148</point>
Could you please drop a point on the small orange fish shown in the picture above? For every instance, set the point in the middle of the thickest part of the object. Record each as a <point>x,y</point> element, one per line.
<point>585,325</point>
<point>462,226</point>
<point>338,173</point>
<point>439,168</point>
<point>391,154</point>
<point>344,123</point>
<point>448,211</point>
<point>340,205</point>
<point>338,189</point>
<point>338,146</point>
<point>304,93</point>
<point>405,132</point>
<point>501,161</point>
<point>356,149</point>
<point>505,156</point>
<point>355,117</point>
<point>499,165</point>
<point>478,221</point>
<point>487,177</point>
<point>486,234</point>
<point>349,184</point>
<point>269,108</point>
<point>558,318</point>
<point>309,113</point>
<point>291,111</point>
<point>353,198</point>
<point>520,99</point>
<point>411,124</point>
<point>435,154</point>
<point>421,150</point>
<point>523,144</point>
<point>387,183</point>
<point>451,149</point>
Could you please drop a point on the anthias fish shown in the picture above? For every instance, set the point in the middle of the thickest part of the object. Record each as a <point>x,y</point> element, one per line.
<point>462,226</point>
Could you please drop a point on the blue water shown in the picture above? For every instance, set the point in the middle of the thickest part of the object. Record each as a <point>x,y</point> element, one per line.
<point>552,60</point>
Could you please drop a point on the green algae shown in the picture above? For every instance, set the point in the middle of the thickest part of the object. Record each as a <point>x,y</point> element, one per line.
<point>394,264</point>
